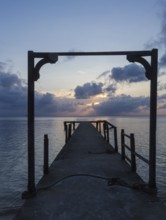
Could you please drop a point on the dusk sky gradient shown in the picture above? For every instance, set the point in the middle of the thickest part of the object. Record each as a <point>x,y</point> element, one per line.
<point>81,86</point>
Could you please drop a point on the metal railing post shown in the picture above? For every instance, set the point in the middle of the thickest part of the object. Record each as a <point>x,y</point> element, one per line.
<point>132,146</point>
<point>74,126</point>
<point>107,132</point>
<point>100,126</point>
<point>104,130</point>
<point>69,131</point>
<point>46,155</point>
<point>122,145</point>
<point>66,132</point>
<point>97,125</point>
<point>115,139</point>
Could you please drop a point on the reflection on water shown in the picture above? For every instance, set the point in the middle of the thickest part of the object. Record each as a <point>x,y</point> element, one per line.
<point>13,151</point>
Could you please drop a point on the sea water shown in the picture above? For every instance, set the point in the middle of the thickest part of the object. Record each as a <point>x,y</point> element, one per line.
<point>13,151</point>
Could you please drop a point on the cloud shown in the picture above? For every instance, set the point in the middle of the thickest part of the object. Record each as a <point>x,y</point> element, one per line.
<point>163,29</point>
<point>162,62</point>
<point>122,105</point>
<point>13,98</point>
<point>49,105</point>
<point>162,97</point>
<point>130,73</point>
<point>161,101</point>
<point>9,81</point>
<point>88,90</point>
<point>161,40</point>
<point>162,107</point>
<point>69,58</point>
<point>2,66</point>
<point>104,74</point>
<point>161,86</point>
<point>111,88</point>
<point>13,95</point>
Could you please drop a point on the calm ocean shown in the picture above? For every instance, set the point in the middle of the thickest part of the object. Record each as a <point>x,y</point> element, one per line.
<point>13,151</point>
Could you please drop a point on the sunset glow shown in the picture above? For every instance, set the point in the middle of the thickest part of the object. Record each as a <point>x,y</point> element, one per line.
<point>83,85</point>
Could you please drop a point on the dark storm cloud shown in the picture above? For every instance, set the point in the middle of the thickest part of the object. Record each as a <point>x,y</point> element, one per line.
<point>88,90</point>
<point>121,105</point>
<point>130,73</point>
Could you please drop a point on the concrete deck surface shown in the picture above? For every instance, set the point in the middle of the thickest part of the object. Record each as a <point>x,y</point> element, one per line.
<point>80,185</point>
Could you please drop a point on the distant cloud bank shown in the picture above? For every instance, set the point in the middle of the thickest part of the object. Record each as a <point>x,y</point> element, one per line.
<point>13,96</point>
<point>88,90</point>
<point>129,73</point>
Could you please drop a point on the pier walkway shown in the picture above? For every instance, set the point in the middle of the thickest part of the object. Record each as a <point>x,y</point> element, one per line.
<point>88,180</point>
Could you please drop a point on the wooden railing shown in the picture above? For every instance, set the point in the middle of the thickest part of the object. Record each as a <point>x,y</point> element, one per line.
<point>104,128</point>
<point>46,155</point>
<point>69,128</point>
<point>131,148</point>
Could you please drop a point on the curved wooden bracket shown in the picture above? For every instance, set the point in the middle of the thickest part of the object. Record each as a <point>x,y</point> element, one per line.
<point>48,59</point>
<point>146,65</point>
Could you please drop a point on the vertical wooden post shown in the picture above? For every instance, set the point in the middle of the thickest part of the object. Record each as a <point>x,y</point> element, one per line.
<point>107,130</point>
<point>66,132</point>
<point>74,126</point>
<point>69,131</point>
<point>97,125</point>
<point>46,155</point>
<point>104,130</point>
<point>153,106</point>
<point>64,123</point>
<point>115,139</point>
<point>122,145</point>
<point>100,126</point>
<point>132,146</point>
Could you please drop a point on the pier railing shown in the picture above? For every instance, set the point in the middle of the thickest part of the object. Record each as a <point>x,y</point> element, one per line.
<point>46,155</point>
<point>69,128</point>
<point>104,127</point>
<point>131,149</point>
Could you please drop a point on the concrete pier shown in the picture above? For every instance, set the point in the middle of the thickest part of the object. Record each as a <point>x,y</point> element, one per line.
<point>88,180</point>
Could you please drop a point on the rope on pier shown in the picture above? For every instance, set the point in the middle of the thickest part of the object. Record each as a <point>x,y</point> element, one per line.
<point>110,182</point>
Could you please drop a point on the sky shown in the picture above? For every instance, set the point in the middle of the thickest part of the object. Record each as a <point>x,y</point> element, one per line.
<point>81,86</point>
